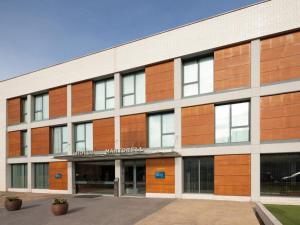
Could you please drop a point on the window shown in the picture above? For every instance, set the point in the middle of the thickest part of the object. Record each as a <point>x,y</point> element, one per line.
<point>105,94</point>
<point>161,130</point>
<point>84,137</point>
<point>41,107</point>
<point>59,140</point>
<point>199,174</point>
<point>198,76</point>
<point>41,176</point>
<point>24,144</point>
<point>19,175</point>
<point>232,122</point>
<point>24,110</point>
<point>133,89</point>
<point>280,174</point>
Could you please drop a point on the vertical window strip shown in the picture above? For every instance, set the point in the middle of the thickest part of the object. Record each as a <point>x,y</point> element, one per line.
<point>24,110</point>
<point>24,143</point>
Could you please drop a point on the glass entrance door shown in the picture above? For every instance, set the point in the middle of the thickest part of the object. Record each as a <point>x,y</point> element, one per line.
<point>134,173</point>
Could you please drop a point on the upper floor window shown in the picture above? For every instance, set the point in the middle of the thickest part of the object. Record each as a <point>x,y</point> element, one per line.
<point>59,140</point>
<point>24,141</point>
<point>24,113</point>
<point>133,89</point>
<point>41,107</point>
<point>161,130</point>
<point>84,137</point>
<point>232,122</point>
<point>105,94</point>
<point>198,76</point>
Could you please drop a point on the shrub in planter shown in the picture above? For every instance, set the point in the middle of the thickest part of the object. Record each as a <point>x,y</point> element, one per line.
<point>59,206</point>
<point>13,203</point>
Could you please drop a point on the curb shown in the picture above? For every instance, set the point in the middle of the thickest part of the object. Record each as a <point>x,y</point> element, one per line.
<point>265,215</point>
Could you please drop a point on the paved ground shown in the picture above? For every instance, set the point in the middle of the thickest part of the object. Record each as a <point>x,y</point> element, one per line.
<point>128,211</point>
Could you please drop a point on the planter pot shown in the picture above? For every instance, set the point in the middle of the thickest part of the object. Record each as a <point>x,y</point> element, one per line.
<point>60,209</point>
<point>13,205</point>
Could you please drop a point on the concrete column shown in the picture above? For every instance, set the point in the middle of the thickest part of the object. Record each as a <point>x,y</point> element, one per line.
<point>255,176</point>
<point>177,128</point>
<point>178,176</point>
<point>177,78</point>
<point>117,81</point>
<point>118,172</point>
<point>255,63</point>
<point>3,139</point>
<point>71,176</point>
<point>30,176</point>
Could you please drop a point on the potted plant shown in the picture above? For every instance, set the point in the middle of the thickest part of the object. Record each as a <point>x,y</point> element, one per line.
<point>59,206</point>
<point>13,203</point>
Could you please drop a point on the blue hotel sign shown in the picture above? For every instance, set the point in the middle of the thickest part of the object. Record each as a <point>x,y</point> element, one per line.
<point>160,175</point>
<point>58,176</point>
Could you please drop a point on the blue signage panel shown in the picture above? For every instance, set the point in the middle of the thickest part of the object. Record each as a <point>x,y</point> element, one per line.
<point>160,175</point>
<point>58,176</point>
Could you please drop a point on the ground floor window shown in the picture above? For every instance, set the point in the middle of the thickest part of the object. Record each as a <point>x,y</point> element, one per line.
<point>280,174</point>
<point>199,174</point>
<point>19,175</point>
<point>41,175</point>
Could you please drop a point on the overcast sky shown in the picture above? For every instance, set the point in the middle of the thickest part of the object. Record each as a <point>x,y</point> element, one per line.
<point>38,33</point>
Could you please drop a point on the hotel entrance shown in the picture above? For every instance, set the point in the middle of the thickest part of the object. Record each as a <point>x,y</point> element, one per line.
<point>134,177</point>
<point>95,177</point>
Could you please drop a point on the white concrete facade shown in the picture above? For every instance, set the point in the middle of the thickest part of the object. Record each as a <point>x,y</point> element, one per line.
<point>250,24</point>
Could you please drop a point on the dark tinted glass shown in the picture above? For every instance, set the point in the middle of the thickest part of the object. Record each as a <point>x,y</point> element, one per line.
<point>199,175</point>
<point>280,174</point>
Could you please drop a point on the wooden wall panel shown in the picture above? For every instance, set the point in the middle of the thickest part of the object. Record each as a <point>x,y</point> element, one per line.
<point>232,175</point>
<point>82,97</point>
<point>280,58</point>
<point>40,141</point>
<point>104,134</point>
<point>14,143</point>
<point>280,117</point>
<point>232,67</point>
<point>58,102</point>
<point>160,82</point>
<point>61,168</point>
<point>13,111</point>
<point>156,185</point>
<point>198,125</point>
<point>134,131</point>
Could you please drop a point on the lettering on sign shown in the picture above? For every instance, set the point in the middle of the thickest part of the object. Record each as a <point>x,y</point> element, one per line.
<point>160,175</point>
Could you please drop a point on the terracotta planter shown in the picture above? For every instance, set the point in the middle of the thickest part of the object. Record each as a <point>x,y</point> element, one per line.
<point>60,209</point>
<point>13,205</point>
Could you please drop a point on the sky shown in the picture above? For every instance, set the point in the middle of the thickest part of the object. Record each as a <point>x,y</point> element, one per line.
<point>38,33</point>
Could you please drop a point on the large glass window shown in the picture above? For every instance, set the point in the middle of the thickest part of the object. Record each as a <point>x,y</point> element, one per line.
<point>19,175</point>
<point>161,130</point>
<point>105,94</point>
<point>84,137</point>
<point>133,89</point>
<point>232,122</point>
<point>198,76</point>
<point>41,107</point>
<point>24,110</point>
<point>59,140</point>
<point>24,149</point>
<point>280,174</point>
<point>41,176</point>
<point>199,175</point>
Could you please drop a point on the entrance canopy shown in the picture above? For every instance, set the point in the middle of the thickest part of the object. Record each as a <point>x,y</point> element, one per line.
<point>116,154</point>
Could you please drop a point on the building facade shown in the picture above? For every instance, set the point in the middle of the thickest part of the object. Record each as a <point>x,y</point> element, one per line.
<point>209,110</point>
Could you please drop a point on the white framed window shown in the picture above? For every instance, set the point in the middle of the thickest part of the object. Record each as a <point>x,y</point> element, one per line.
<point>24,110</point>
<point>24,141</point>
<point>59,140</point>
<point>19,175</point>
<point>41,107</point>
<point>161,130</point>
<point>232,123</point>
<point>133,89</point>
<point>198,76</point>
<point>104,94</point>
<point>84,137</point>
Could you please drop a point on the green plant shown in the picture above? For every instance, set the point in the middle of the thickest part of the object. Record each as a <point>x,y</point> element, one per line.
<point>58,201</point>
<point>12,198</point>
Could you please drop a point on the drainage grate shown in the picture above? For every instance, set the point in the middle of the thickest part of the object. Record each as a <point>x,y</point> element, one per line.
<point>87,196</point>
